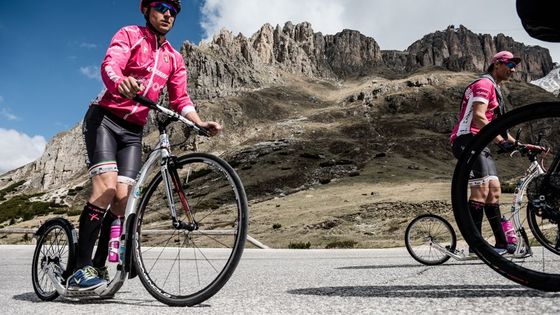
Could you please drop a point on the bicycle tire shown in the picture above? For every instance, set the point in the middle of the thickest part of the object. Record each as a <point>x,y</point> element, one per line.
<point>549,238</point>
<point>430,228</point>
<point>217,199</point>
<point>55,244</point>
<point>516,271</point>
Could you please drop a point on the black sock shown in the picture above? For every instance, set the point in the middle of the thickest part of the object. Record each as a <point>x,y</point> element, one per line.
<point>477,213</point>
<point>103,243</point>
<point>90,222</point>
<point>494,216</point>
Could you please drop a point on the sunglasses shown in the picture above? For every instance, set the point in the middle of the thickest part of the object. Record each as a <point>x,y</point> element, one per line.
<point>163,7</point>
<point>510,64</point>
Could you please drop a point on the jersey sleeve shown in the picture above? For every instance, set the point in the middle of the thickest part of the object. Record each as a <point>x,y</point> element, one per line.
<point>482,91</point>
<point>115,60</point>
<point>179,99</point>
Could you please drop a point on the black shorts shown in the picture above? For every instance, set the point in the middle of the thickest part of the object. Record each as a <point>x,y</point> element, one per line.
<point>484,167</point>
<point>112,144</point>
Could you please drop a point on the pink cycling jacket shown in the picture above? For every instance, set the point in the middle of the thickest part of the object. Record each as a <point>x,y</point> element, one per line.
<point>483,91</point>
<point>134,52</point>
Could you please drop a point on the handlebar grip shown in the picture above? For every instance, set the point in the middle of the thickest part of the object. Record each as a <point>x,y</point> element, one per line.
<point>531,147</point>
<point>145,101</point>
<point>151,104</point>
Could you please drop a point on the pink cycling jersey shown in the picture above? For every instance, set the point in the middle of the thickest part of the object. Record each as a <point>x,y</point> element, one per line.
<point>483,91</point>
<point>134,51</point>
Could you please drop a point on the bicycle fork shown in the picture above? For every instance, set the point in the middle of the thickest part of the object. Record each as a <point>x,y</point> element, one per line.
<point>523,249</point>
<point>172,182</point>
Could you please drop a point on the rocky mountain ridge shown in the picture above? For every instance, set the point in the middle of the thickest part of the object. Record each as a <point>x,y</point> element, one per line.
<point>459,49</point>
<point>230,64</point>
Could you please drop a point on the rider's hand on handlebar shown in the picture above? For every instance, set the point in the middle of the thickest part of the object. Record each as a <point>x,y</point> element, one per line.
<point>506,146</point>
<point>129,87</point>
<point>213,127</point>
<point>532,147</point>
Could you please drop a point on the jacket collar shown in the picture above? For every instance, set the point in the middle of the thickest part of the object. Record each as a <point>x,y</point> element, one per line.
<point>151,36</point>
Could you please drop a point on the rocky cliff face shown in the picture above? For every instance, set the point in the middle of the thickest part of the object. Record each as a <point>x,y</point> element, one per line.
<point>459,49</point>
<point>61,163</point>
<point>231,65</point>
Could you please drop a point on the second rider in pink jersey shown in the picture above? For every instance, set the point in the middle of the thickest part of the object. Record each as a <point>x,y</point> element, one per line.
<point>483,102</point>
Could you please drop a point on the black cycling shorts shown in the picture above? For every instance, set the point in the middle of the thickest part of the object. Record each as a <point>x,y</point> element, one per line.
<point>484,167</point>
<point>112,144</point>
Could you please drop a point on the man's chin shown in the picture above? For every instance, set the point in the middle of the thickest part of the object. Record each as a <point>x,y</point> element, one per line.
<point>164,30</point>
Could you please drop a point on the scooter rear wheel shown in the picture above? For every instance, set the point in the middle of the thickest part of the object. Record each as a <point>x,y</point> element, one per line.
<point>426,237</point>
<point>55,250</point>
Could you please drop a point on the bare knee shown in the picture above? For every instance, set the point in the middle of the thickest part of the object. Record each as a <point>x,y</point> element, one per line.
<point>120,199</point>
<point>104,189</point>
<point>119,204</point>
<point>479,193</point>
<point>494,192</point>
<point>493,198</point>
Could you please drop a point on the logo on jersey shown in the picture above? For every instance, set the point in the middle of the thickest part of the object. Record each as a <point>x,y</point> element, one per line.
<point>158,72</point>
<point>111,73</point>
<point>482,92</point>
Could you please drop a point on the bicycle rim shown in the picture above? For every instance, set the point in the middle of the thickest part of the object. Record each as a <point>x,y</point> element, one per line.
<point>179,267</point>
<point>539,268</point>
<point>53,250</point>
<point>426,237</point>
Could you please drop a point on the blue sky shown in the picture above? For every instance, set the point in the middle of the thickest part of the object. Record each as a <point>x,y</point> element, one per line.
<point>51,50</point>
<point>51,54</point>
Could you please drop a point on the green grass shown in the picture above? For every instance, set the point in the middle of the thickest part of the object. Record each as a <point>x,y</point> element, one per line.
<point>9,189</point>
<point>74,191</point>
<point>21,207</point>
<point>341,244</point>
<point>508,188</point>
<point>74,212</point>
<point>299,245</point>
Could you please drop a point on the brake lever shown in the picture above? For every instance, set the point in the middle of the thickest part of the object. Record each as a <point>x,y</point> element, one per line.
<point>513,153</point>
<point>520,148</point>
<point>517,136</point>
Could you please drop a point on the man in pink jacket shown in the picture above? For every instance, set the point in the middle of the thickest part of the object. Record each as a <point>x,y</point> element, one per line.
<point>139,60</point>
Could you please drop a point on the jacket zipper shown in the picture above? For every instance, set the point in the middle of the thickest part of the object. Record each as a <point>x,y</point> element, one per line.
<point>150,81</point>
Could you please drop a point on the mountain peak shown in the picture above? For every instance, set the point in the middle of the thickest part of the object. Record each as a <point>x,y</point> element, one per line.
<point>459,49</point>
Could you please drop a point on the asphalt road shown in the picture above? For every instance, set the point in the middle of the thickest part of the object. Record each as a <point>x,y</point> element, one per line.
<point>376,281</point>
